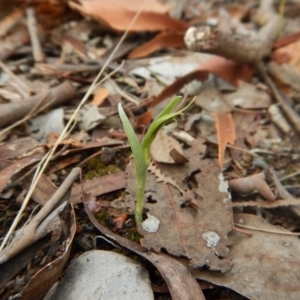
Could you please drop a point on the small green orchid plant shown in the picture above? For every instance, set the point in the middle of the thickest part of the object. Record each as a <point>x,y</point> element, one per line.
<point>141,152</point>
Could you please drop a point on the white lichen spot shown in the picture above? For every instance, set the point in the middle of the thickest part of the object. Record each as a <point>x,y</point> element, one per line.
<point>223,186</point>
<point>212,238</point>
<point>151,224</point>
<point>241,221</point>
<point>189,37</point>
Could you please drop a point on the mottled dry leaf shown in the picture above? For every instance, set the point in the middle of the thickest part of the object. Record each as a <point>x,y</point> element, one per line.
<point>17,148</point>
<point>118,15</point>
<point>248,96</point>
<point>166,149</point>
<point>266,266</point>
<point>43,190</point>
<point>225,132</point>
<point>162,40</point>
<point>195,224</point>
<point>180,282</point>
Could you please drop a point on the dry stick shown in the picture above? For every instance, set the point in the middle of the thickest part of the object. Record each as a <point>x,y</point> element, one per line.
<point>11,112</point>
<point>289,176</point>
<point>35,110</point>
<point>290,113</point>
<point>21,86</point>
<point>35,229</point>
<point>33,33</point>
<point>63,134</point>
<point>236,47</point>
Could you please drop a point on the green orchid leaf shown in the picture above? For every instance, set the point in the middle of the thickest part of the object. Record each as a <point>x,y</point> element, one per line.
<point>164,117</point>
<point>141,152</point>
<point>135,145</point>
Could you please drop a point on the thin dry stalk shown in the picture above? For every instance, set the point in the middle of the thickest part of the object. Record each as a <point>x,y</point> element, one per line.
<point>8,22</point>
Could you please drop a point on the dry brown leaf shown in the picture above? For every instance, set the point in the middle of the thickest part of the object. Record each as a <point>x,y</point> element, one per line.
<point>17,148</point>
<point>145,118</point>
<point>162,40</point>
<point>7,173</point>
<point>183,230</point>
<point>43,190</point>
<point>226,133</point>
<point>266,266</point>
<point>166,149</point>
<point>289,55</point>
<point>99,186</point>
<point>118,14</point>
<point>251,184</point>
<point>248,96</point>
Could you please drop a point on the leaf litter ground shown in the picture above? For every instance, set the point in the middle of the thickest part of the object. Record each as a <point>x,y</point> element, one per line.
<point>199,232</point>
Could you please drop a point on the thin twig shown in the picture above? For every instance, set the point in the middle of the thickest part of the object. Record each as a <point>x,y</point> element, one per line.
<point>267,230</point>
<point>20,86</point>
<point>38,54</point>
<point>289,111</point>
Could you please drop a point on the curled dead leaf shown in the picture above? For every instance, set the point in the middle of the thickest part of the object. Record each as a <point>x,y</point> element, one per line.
<point>251,184</point>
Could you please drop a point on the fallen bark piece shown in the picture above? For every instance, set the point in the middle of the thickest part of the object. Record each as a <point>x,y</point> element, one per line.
<point>237,47</point>
<point>251,184</point>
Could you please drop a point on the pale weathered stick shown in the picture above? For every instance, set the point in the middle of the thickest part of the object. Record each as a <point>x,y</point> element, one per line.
<point>237,47</point>
<point>12,112</point>
<point>31,232</point>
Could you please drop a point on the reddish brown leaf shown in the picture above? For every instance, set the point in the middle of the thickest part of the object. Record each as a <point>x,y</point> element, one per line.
<point>225,132</point>
<point>118,14</point>
<point>145,118</point>
<point>99,96</point>
<point>162,40</point>
<point>226,69</point>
